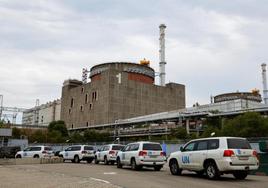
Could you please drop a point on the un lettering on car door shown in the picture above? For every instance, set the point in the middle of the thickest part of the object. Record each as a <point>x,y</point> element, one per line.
<point>186,158</point>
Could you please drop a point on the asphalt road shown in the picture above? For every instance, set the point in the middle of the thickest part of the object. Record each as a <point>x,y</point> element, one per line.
<point>127,178</point>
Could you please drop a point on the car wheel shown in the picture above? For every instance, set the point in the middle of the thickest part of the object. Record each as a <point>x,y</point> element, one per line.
<point>134,166</point>
<point>157,168</point>
<point>212,171</point>
<point>96,160</point>
<point>174,167</point>
<point>106,162</point>
<point>118,163</point>
<point>18,156</point>
<point>240,175</point>
<point>89,161</point>
<point>36,156</point>
<point>76,159</point>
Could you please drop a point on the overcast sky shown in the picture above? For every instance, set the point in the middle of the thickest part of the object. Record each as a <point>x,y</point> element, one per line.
<point>212,47</point>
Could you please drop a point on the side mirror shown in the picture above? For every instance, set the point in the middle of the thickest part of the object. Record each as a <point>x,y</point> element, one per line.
<point>181,148</point>
<point>98,150</point>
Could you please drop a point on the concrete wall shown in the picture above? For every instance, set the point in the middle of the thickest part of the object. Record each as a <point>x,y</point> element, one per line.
<point>43,114</point>
<point>109,100</point>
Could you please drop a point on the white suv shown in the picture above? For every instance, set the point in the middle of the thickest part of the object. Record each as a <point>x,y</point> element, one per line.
<point>141,154</point>
<point>107,153</point>
<point>78,153</point>
<point>215,156</point>
<point>35,152</point>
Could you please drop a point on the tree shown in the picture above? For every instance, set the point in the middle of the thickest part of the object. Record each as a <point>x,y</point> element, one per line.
<point>250,124</point>
<point>179,133</point>
<point>16,133</point>
<point>76,138</point>
<point>58,126</point>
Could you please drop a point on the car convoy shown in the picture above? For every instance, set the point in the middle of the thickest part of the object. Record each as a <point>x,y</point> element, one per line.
<point>212,156</point>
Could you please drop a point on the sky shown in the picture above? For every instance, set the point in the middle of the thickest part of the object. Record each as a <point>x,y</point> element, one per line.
<point>212,47</point>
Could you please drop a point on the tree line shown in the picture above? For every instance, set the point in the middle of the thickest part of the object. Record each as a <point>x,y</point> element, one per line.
<point>249,124</point>
<point>58,133</point>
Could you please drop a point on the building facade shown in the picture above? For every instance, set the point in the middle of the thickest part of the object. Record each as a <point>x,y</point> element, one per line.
<point>42,115</point>
<point>117,91</point>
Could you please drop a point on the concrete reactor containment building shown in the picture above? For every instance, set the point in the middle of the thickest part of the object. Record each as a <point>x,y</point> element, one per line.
<point>117,90</point>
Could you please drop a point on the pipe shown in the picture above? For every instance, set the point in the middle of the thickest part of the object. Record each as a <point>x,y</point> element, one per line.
<point>162,73</point>
<point>264,82</point>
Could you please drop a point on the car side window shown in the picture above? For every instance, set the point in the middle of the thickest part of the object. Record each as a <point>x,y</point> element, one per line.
<point>134,147</point>
<point>76,148</point>
<point>213,144</point>
<point>105,148</point>
<point>68,149</point>
<point>35,149</point>
<point>126,148</point>
<point>190,147</point>
<point>27,149</point>
<point>202,145</point>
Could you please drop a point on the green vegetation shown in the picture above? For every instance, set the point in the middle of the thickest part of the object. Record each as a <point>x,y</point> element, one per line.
<point>250,124</point>
<point>58,133</point>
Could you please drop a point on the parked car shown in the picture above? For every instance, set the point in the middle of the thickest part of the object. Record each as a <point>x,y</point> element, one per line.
<point>35,152</point>
<point>78,153</point>
<point>107,153</point>
<point>215,156</point>
<point>139,154</point>
<point>9,151</point>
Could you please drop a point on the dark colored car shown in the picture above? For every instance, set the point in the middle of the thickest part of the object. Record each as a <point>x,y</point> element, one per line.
<point>9,151</point>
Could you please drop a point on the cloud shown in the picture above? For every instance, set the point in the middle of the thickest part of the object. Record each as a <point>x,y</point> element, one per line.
<point>211,47</point>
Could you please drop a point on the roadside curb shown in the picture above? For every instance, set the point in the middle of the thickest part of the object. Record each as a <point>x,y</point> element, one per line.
<point>25,161</point>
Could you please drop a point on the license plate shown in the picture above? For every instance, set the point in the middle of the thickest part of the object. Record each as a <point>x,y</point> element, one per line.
<point>153,156</point>
<point>243,158</point>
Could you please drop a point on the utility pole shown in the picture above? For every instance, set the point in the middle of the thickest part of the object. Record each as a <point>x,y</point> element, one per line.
<point>1,106</point>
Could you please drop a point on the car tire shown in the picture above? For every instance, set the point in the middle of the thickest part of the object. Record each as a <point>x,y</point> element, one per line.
<point>157,168</point>
<point>118,163</point>
<point>240,175</point>
<point>96,160</point>
<point>36,156</point>
<point>106,162</point>
<point>174,167</point>
<point>134,165</point>
<point>18,156</point>
<point>212,171</point>
<point>76,159</point>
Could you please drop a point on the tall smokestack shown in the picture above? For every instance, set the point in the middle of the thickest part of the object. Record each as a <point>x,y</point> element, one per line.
<point>162,73</point>
<point>264,82</point>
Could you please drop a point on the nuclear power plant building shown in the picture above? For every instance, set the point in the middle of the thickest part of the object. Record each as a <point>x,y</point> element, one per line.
<point>117,90</point>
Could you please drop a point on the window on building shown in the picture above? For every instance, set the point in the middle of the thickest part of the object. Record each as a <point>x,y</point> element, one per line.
<point>81,108</point>
<point>90,106</point>
<point>70,111</point>
<point>42,119</point>
<point>87,124</point>
<point>86,99</point>
<point>94,96</point>
<point>82,90</point>
<point>72,102</point>
<point>72,126</point>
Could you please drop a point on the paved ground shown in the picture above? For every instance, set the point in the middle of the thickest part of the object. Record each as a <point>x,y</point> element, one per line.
<point>102,176</point>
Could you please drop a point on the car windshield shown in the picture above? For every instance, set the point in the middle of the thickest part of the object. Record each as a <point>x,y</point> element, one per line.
<point>154,147</point>
<point>117,147</point>
<point>235,143</point>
